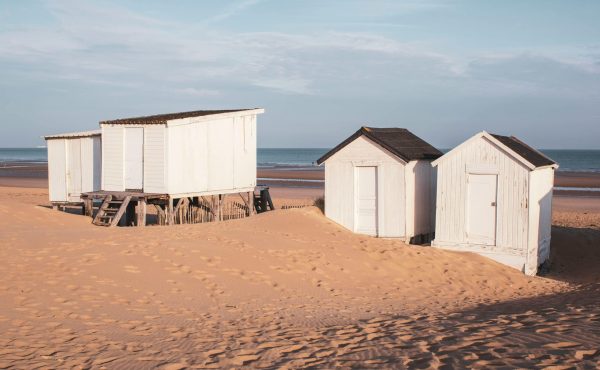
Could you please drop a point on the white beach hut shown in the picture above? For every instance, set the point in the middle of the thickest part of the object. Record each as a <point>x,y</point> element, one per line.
<point>74,165</point>
<point>494,198</point>
<point>176,157</point>
<point>380,182</point>
<point>181,154</point>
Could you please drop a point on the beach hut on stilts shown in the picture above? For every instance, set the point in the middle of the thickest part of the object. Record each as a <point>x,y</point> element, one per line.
<point>494,198</point>
<point>380,182</point>
<point>182,164</point>
<point>74,166</point>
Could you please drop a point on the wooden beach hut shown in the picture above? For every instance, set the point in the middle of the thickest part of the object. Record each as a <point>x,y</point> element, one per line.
<point>380,182</point>
<point>74,165</point>
<point>494,198</point>
<point>172,160</point>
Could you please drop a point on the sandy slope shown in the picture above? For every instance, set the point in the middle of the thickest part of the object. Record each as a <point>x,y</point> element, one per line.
<point>284,289</point>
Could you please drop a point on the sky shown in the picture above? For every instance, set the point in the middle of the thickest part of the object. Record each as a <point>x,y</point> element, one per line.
<point>321,69</point>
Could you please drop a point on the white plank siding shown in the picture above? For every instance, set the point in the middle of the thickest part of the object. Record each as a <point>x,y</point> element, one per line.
<point>57,170</point>
<point>112,157</point>
<point>155,159</point>
<point>220,154</point>
<point>74,166</point>
<point>540,216</point>
<point>210,156</point>
<point>512,212</point>
<point>244,161</point>
<point>340,186</point>
<point>420,198</point>
<point>87,163</point>
<point>97,149</point>
<point>523,203</point>
<point>192,156</point>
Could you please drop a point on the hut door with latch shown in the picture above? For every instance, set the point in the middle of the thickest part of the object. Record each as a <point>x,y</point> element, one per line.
<point>481,208</point>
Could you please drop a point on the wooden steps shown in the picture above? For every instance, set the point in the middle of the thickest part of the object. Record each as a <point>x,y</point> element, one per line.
<point>111,211</point>
<point>262,201</point>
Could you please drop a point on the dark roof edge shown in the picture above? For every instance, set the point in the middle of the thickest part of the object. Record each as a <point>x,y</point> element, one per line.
<point>535,150</point>
<point>339,147</point>
<point>161,119</point>
<point>366,131</point>
<point>531,161</point>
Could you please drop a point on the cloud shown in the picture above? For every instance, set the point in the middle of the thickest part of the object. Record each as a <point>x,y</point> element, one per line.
<point>111,45</point>
<point>232,10</point>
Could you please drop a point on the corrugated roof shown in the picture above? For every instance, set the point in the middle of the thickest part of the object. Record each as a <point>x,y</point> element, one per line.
<point>163,118</point>
<point>399,141</point>
<point>531,155</point>
<point>72,135</point>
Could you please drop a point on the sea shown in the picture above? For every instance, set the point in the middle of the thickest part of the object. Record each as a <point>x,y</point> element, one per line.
<point>301,158</point>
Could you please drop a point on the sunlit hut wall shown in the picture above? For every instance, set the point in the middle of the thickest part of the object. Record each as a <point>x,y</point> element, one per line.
<point>74,165</point>
<point>189,157</point>
<point>494,197</point>
<point>380,182</point>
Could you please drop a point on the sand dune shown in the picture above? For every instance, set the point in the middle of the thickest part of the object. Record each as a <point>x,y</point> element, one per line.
<point>286,289</point>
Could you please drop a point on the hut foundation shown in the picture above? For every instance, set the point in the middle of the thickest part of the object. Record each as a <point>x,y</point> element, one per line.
<point>131,208</point>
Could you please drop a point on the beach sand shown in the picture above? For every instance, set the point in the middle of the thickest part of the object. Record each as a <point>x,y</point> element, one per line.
<point>284,289</point>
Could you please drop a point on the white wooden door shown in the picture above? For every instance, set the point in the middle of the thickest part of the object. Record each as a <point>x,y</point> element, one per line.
<point>73,170</point>
<point>134,158</point>
<point>366,200</point>
<point>481,208</point>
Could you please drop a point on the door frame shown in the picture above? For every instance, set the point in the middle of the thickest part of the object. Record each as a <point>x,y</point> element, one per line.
<point>379,194</point>
<point>125,155</point>
<point>480,170</point>
<point>72,196</point>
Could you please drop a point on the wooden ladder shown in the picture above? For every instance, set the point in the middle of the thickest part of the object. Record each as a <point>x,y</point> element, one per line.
<point>262,201</point>
<point>111,211</point>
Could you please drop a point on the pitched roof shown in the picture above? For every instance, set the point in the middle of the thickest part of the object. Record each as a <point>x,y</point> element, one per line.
<point>163,118</point>
<point>73,135</point>
<point>531,155</point>
<point>399,141</point>
<point>517,149</point>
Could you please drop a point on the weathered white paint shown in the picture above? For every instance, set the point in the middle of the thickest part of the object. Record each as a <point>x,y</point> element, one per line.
<point>134,158</point>
<point>73,169</point>
<point>420,198</point>
<point>482,191</point>
<point>74,165</point>
<point>57,170</point>
<point>540,216</point>
<point>404,190</point>
<point>366,200</point>
<point>112,157</point>
<point>155,162</point>
<point>206,155</point>
<point>513,242</point>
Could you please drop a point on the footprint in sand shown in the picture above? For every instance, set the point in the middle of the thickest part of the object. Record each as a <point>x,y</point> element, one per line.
<point>132,269</point>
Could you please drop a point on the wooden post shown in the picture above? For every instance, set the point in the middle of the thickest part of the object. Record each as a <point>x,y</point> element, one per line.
<point>88,206</point>
<point>251,203</point>
<point>221,203</point>
<point>141,212</point>
<point>169,210</point>
<point>215,206</point>
<point>161,214</point>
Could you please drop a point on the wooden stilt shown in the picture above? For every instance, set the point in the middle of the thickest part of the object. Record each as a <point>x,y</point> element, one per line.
<point>221,203</point>
<point>141,213</point>
<point>169,211</point>
<point>88,206</point>
<point>251,203</point>
<point>161,214</point>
